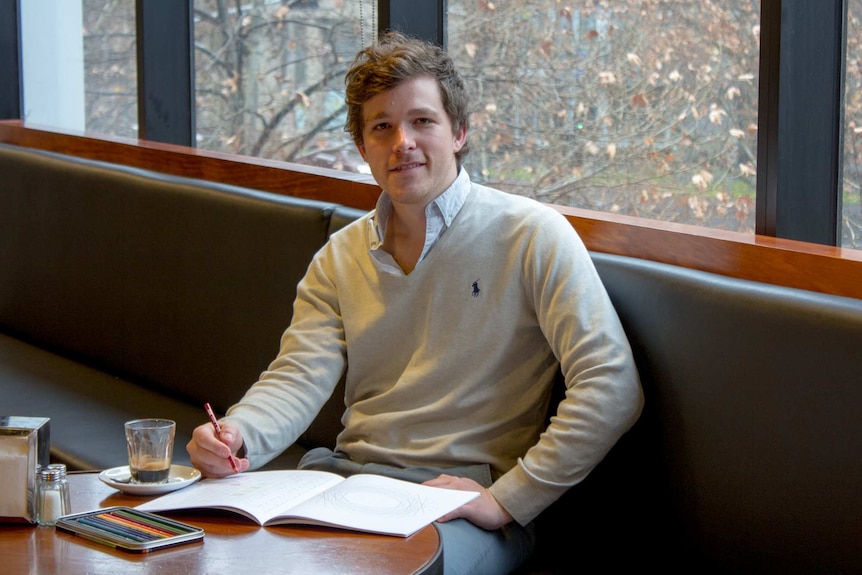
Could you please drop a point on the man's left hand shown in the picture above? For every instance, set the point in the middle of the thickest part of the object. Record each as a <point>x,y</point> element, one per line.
<point>483,511</point>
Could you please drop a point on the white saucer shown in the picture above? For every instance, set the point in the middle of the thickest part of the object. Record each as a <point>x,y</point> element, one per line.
<point>180,476</point>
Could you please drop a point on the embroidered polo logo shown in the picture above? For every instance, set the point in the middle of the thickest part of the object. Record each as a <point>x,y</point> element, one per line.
<point>476,289</point>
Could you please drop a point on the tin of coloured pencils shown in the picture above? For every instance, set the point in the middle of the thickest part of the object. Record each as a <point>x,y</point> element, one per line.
<point>128,529</point>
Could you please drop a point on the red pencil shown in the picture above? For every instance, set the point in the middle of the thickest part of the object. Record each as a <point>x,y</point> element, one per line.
<point>217,427</point>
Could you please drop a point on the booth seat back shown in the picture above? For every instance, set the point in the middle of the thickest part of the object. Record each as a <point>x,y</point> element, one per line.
<point>748,455</point>
<point>176,283</point>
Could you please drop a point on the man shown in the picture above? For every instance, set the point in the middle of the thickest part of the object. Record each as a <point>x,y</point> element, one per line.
<point>450,308</point>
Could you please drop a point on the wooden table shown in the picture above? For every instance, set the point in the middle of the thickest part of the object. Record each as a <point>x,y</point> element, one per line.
<point>232,545</point>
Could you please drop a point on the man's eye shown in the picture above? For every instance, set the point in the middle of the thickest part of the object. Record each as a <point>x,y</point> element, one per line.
<point>381,126</point>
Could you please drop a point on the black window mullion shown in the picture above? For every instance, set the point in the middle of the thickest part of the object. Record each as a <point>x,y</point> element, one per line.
<point>165,36</point>
<point>801,115</point>
<point>421,18</point>
<point>10,61</point>
<point>767,114</point>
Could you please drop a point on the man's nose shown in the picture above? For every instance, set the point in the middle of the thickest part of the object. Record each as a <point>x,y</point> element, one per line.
<point>404,139</point>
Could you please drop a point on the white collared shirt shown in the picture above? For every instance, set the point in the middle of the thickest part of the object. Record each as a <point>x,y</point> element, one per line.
<point>439,214</point>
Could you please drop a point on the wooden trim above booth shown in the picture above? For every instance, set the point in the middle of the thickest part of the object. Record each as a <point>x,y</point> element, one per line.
<point>762,258</point>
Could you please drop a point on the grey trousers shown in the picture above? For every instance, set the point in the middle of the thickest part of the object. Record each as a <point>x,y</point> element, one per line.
<point>467,549</point>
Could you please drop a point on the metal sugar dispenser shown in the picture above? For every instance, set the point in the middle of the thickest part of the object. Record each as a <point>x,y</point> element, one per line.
<point>52,494</point>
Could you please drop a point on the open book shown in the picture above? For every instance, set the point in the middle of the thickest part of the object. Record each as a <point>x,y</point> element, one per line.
<point>370,503</point>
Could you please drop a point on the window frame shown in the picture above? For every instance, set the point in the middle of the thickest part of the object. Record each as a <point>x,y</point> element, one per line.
<point>166,71</point>
<point>11,90</point>
<point>800,120</point>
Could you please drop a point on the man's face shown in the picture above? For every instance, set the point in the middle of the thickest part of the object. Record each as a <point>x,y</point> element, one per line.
<point>408,142</point>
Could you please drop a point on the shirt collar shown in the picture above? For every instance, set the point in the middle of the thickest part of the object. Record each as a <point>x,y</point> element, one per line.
<point>452,200</point>
<point>445,206</point>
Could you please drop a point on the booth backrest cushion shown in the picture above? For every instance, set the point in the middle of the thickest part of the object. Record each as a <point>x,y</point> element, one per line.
<point>181,286</point>
<point>748,456</point>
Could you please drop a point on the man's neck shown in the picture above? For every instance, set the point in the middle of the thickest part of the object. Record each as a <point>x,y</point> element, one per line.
<point>405,235</point>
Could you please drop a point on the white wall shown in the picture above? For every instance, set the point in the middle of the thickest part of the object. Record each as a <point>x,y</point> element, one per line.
<point>53,63</point>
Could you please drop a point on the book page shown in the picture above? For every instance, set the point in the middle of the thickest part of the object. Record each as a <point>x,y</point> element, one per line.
<point>259,495</point>
<point>380,504</point>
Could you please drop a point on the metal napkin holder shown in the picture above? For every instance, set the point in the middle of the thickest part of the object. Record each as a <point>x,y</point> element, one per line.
<point>25,444</point>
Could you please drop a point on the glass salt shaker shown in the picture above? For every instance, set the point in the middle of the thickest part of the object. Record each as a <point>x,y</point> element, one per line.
<point>52,494</point>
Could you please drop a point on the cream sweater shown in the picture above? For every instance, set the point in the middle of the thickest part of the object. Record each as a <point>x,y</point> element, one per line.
<point>453,364</point>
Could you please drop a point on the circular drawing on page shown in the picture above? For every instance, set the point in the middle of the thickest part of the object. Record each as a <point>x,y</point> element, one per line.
<point>374,500</point>
<point>120,478</point>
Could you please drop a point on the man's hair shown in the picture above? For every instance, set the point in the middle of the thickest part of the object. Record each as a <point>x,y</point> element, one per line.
<point>392,60</point>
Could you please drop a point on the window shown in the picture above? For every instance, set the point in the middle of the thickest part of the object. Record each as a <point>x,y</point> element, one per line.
<point>110,67</point>
<point>640,107</point>
<point>646,108</point>
<point>851,235</point>
<point>270,78</point>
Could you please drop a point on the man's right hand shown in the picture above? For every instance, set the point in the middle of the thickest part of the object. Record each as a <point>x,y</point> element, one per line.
<point>210,453</point>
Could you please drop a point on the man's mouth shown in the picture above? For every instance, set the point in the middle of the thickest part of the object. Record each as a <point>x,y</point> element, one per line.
<point>409,166</point>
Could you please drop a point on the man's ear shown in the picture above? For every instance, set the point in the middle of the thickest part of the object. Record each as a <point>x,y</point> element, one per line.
<point>460,138</point>
<point>361,148</point>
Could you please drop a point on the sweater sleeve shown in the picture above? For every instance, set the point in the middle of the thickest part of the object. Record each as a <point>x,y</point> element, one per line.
<point>603,397</point>
<point>311,359</point>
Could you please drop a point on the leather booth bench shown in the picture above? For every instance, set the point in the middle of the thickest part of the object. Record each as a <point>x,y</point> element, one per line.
<point>748,455</point>
<point>126,293</point>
